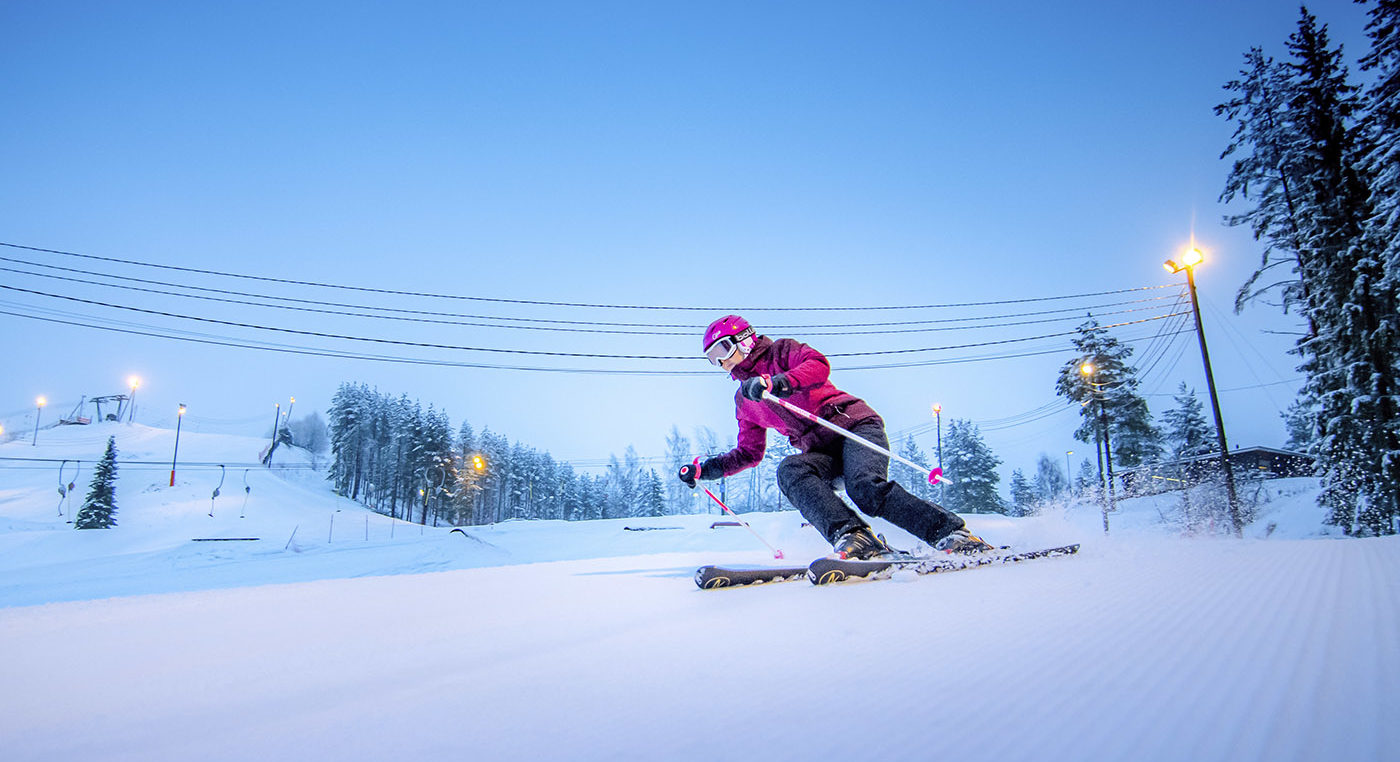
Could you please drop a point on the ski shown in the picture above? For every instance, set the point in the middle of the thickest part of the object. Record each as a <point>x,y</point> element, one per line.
<point>827,570</point>
<point>712,577</point>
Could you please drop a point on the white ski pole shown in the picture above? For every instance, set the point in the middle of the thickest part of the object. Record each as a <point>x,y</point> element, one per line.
<point>934,476</point>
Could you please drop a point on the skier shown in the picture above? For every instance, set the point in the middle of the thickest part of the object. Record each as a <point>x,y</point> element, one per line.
<point>790,369</point>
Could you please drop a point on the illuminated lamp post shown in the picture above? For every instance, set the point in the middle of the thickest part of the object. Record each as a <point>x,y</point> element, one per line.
<point>1089,371</point>
<point>133,382</point>
<point>41,402</point>
<point>179,418</point>
<point>1188,263</point>
<point>938,421</point>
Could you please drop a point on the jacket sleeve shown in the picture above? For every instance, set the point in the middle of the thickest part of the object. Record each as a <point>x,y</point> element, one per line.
<point>752,443</point>
<point>805,367</point>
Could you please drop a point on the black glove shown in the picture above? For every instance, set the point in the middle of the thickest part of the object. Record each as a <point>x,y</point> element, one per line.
<point>706,471</point>
<point>753,388</point>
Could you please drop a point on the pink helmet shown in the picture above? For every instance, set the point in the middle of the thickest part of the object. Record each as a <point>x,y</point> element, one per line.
<point>725,335</point>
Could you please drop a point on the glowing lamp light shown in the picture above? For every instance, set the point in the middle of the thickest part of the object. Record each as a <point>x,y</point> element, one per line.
<point>1190,259</point>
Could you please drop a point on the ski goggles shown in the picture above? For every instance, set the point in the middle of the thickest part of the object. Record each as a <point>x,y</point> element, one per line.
<point>725,346</point>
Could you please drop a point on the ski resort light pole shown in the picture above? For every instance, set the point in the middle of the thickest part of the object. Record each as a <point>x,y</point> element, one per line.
<point>1189,260</point>
<point>179,418</point>
<point>133,382</point>
<point>1069,479</point>
<point>1090,371</point>
<point>41,402</point>
<point>938,424</point>
<point>276,421</point>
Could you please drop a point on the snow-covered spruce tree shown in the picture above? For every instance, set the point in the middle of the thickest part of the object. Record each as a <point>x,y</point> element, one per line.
<point>972,467</point>
<point>1380,128</point>
<point>1300,164</point>
<point>99,509</point>
<point>654,496</point>
<point>1300,423</point>
<point>678,453</point>
<point>1110,393</point>
<point>1049,481</point>
<point>1187,431</point>
<point>1023,495</point>
<point>915,484</point>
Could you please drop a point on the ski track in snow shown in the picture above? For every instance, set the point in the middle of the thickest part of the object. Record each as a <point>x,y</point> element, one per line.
<point>1170,650</point>
<point>587,642</point>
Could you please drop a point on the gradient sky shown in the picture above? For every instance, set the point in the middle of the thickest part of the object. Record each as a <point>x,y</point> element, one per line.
<point>721,156</point>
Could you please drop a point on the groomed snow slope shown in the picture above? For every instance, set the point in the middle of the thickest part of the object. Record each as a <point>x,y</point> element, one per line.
<point>545,640</point>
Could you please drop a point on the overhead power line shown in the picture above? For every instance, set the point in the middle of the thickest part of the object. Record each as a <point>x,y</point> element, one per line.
<point>533,352</point>
<point>539,302</point>
<point>83,321</point>
<point>692,330</point>
<point>513,322</point>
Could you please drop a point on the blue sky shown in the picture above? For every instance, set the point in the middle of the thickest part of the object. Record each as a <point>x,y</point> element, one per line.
<point>718,155</point>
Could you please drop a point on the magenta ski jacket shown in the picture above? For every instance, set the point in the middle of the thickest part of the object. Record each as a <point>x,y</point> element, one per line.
<point>809,372</point>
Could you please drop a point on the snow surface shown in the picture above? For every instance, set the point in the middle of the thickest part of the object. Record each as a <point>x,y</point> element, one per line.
<point>585,641</point>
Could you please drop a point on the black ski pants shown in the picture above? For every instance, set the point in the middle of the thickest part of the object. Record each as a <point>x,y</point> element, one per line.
<point>807,481</point>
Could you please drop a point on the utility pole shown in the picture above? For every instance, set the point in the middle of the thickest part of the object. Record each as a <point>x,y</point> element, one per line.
<point>1188,263</point>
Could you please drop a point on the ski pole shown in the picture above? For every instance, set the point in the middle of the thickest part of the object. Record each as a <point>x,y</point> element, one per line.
<point>934,476</point>
<point>776,553</point>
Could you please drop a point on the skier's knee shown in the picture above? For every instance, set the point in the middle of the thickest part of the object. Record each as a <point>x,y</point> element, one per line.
<point>865,493</point>
<point>792,470</point>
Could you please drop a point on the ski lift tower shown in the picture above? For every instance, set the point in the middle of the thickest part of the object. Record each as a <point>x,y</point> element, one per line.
<point>119,399</point>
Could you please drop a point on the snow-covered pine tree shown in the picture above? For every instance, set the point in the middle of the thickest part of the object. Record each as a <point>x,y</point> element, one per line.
<point>972,466</point>
<point>1311,206</point>
<point>1023,495</point>
<point>1110,393</point>
<point>678,453</point>
<point>654,496</point>
<point>917,485</point>
<point>1187,432</point>
<point>1049,482</point>
<point>1380,129</point>
<point>1088,477</point>
<point>347,414</point>
<point>99,509</point>
<point>1300,423</point>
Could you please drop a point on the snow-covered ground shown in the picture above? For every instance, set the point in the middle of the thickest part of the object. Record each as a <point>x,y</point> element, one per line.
<point>339,634</point>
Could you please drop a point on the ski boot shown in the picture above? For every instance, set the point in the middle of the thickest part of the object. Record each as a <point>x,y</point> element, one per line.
<point>963,542</point>
<point>859,544</point>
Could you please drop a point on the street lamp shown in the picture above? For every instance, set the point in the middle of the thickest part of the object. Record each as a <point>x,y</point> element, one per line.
<point>938,419</point>
<point>178,420</point>
<point>41,402</point>
<point>1188,262</point>
<point>1089,371</point>
<point>133,382</point>
<point>1069,478</point>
